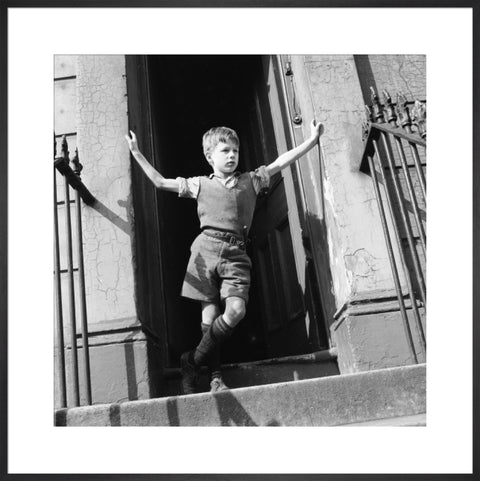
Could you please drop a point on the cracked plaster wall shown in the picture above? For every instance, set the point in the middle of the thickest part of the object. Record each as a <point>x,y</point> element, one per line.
<point>102,122</point>
<point>396,73</point>
<point>358,256</point>
<point>121,372</point>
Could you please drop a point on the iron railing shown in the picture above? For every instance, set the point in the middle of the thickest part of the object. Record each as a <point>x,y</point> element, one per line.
<point>395,158</point>
<point>71,179</point>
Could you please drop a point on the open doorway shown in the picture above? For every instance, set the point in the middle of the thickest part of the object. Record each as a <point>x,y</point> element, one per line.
<point>187,96</point>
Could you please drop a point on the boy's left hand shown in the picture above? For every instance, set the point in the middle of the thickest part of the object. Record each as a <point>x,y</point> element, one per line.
<point>132,142</point>
<point>316,129</point>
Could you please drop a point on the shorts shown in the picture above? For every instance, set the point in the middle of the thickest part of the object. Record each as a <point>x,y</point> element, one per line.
<point>216,270</point>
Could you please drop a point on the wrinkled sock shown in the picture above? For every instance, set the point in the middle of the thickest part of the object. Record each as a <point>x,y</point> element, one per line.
<point>213,362</point>
<point>213,337</point>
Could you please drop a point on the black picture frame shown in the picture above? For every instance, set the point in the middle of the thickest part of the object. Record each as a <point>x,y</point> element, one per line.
<point>4,267</point>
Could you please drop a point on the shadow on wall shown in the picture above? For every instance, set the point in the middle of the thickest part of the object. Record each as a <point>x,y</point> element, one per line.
<point>365,73</point>
<point>319,272</point>
<point>154,354</point>
<point>131,374</point>
<point>103,210</point>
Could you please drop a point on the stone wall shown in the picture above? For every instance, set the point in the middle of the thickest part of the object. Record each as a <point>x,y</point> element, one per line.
<point>396,73</point>
<point>358,256</point>
<point>334,90</point>
<point>101,115</point>
<point>91,110</point>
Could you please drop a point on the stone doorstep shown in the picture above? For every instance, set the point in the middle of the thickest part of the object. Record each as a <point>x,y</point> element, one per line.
<point>266,371</point>
<point>314,357</point>
<point>384,394</point>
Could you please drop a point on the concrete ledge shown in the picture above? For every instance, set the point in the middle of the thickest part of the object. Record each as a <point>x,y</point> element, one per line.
<point>415,420</point>
<point>125,368</point>
<point>376,340</point>
<point>327,401</point>
<point>267,371</point>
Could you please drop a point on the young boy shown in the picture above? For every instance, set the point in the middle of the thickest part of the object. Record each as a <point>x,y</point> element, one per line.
<point>218,272</point>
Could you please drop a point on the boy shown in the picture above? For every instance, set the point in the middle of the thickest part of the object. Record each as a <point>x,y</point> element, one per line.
<point>218,272</point>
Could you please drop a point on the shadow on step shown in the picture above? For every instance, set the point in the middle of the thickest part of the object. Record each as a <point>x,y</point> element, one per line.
<point>269,371</point>
<point>229,410</point>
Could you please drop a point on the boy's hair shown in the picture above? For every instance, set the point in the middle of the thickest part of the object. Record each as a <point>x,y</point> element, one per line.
<point>216,135</point>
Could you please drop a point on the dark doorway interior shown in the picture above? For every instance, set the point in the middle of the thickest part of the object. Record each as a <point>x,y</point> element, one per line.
<point>189,95</point>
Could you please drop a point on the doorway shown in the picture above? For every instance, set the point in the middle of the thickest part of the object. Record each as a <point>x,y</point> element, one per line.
<point>187,95</point>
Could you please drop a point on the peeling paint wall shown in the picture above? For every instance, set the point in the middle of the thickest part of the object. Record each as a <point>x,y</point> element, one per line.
<point>334,90</point>
<point>358,256</point>
<point>91,110</point>
<point>102,122</point>
<point>396,73</point>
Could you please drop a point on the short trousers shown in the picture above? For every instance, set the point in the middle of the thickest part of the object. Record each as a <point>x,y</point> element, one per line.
<point>216,270</point>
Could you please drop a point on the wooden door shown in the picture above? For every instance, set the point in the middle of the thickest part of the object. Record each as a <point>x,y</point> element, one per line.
<point>275,279</point>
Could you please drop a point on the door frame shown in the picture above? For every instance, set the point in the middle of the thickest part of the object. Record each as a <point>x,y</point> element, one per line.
<point>149,270</point>
<point>153,309</point>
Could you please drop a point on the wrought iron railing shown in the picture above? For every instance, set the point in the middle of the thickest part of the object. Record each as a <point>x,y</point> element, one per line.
<point>395,158</point>
<point>71,180</point>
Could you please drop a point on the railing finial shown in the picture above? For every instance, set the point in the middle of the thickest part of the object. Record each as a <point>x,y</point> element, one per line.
<point>377,108</point>
<point>403,112</point>
<point>65,148</point>
<point>391,116</point>
<point>419,117</point>
<point>366,123</point>
<point>77,166</point>
<point>368,113</point>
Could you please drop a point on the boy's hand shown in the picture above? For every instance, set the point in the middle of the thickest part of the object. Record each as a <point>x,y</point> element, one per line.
<point>316,129</point>
<point>132,142</point>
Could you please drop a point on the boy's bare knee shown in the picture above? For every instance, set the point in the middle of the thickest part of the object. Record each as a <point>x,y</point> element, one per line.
<point>210,311</point>
<point>234,310</point>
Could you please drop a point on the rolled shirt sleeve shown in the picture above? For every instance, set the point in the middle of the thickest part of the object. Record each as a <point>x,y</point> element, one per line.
<point>188,188</point>
<point>260,179</point>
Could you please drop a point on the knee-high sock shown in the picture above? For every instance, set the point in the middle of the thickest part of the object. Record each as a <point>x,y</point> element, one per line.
<point>218,332</point>
<point>213,362</point>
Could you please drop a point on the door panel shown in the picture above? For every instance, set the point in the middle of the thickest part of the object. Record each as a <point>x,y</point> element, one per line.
<point>283,297</point>
<point>293,301</point>
<point>274,271</point>
<point>303,187</point>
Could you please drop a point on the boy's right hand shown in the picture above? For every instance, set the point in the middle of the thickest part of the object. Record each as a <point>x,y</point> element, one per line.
<point>316,129</point>
<point>132,142</point>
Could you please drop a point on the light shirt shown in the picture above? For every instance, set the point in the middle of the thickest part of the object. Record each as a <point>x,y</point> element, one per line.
<point>189,187</point>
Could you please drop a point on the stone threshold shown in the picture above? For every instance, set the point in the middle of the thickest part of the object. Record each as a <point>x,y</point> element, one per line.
<point>327,355</point>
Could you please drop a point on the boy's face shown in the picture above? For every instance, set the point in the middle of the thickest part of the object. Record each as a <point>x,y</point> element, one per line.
<point>224,158</point>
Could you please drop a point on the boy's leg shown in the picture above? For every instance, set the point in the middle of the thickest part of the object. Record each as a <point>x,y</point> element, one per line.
<point>234,310</point>
<point>221,328</point>
<point>210,312</point>
<point>215,377</point>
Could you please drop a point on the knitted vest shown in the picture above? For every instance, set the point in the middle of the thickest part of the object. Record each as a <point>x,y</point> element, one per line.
<point>226,209</point>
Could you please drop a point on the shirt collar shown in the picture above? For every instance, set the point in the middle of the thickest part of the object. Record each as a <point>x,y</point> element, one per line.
<point>235,174</point>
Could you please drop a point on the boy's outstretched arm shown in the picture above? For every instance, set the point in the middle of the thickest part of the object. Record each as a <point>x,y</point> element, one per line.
<point>158,180</point>
<point>291,156</point>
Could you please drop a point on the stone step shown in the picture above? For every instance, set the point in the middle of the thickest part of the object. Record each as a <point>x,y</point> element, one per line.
<point>328,401</point>
<point>267,371</point>
<point>415,420</point>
